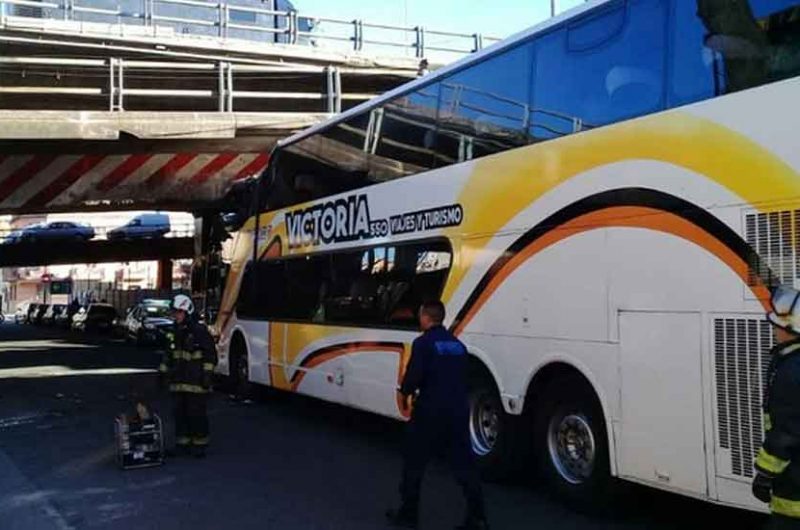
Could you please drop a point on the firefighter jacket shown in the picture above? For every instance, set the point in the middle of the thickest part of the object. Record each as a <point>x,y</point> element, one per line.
<point>779,457</point>
<point>189,358</point>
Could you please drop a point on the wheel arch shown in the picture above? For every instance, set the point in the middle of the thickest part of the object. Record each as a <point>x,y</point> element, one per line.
<point>478,362</point>
<point>237,336</point>
<point>556,368</point>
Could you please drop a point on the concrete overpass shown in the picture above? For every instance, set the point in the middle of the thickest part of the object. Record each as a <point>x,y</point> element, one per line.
<point>108,161</point>
<point>100,251</point>
<point>141,110</point>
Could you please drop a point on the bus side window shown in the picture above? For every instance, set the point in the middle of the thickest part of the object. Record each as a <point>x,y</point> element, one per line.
<point>402,135</point>
<point>263,294</point>
<point>244,300</point>
<point>720,47</point>
<point>599,70</point>
<point>304,279</point>
<point>484,109</point>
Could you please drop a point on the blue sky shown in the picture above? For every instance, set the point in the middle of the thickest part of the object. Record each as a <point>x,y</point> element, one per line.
<point>499,18</point>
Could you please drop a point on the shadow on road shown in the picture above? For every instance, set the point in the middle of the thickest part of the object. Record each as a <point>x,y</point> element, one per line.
<point>283,462</point>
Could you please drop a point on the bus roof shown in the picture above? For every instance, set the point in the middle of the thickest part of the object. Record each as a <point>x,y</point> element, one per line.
<point>476,57</point>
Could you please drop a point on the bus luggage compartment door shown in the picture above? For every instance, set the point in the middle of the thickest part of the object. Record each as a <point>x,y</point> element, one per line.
<point>662,437</point>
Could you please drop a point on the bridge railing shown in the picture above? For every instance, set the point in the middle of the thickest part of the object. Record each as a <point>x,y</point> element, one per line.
<point>117,84</point>
<point>226,20</point>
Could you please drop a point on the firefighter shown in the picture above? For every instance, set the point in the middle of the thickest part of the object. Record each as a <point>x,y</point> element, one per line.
<point>437,377</point>
<point>777,478</point>
<point>187,369</point>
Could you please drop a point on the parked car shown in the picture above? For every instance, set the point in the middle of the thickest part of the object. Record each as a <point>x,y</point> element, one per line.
<point>144,226</point>
<point>36,317</point>
<point>57,230</point>
<point>64,318</point>
<point>146,319</point>
<point>118,324</point>
<point>29,316</point>
<point>12,238</point>
<point>96,317</point>
<point>52,312</point>
<point>79,314</point>
<point>21,314</point>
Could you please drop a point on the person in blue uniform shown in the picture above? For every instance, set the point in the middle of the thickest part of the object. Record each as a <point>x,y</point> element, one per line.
<point>436,378</point>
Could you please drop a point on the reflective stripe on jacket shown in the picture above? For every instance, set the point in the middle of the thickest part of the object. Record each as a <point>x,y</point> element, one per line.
<point>778,456</point>
<point>189,358</point>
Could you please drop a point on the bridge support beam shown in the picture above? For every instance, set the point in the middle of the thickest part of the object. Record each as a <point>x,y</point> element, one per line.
<point>164,275</point>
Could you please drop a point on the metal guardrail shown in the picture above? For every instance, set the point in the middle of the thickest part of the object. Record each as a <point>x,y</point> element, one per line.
<point>108,78</point>
<point>225,21</point>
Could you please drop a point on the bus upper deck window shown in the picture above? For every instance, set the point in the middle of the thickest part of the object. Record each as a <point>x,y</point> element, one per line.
<point>599,70</point>
<point>721,47</point>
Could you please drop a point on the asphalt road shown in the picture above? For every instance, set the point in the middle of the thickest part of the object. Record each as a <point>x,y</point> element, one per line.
<point>283,462</point>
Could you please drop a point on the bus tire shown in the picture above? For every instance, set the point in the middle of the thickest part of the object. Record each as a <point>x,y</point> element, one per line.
<point>571,445</point>
<point>240,384</point>
<point>491,430</point>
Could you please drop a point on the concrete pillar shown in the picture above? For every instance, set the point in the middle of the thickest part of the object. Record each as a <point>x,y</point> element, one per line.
<point>164,275</point>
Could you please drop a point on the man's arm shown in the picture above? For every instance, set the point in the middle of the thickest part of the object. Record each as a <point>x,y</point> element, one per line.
<point>415,371</point>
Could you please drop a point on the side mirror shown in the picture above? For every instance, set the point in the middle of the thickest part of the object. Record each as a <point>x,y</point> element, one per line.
<point>232,221</point>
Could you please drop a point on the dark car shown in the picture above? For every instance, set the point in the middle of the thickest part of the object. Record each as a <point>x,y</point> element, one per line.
<point>52,312</point>
<point>95,318</point>
<point>144,226</point>
<point>38,315</point>
<point>147,320</point>
<point>56,231</point>
<point>12,238</point>
<point>31,313</point>
<point>64,318</point>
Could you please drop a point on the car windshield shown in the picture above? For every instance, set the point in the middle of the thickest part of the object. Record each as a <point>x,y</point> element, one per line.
<point>103,310</point>
<point>156,310</point>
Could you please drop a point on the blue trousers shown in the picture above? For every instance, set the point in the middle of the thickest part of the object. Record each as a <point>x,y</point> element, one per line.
<point>429,433</point>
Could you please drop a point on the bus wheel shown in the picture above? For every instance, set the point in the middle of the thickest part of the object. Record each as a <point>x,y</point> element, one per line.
<point>490,428</point>
<point>240,370</point>
<point>572,446</point>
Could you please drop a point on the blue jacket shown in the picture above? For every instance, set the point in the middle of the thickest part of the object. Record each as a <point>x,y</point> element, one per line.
<point>438,370</point>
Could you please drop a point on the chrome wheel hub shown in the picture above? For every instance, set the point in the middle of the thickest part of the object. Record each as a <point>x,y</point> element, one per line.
<point>572,448</point>
<point>484,425</point>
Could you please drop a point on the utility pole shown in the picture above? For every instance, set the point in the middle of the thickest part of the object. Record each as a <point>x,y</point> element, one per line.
<point>552,8</point>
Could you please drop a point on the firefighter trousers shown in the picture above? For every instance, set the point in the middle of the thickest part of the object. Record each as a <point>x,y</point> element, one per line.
<point>191,419</point>
<point>781,522</point>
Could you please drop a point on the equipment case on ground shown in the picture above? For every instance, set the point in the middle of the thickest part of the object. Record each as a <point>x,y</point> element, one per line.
<point>140,442</point>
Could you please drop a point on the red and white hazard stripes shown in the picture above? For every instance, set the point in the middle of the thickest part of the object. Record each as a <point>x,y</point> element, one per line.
<point>42,182</point>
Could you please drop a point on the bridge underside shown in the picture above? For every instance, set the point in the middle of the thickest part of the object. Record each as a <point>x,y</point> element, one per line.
<point>86,161</point>
<point>69,252</point>
<point>98,121</point>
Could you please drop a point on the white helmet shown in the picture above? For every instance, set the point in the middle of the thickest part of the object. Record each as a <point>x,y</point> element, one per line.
<point>181,302</point>
<point>785,311</point>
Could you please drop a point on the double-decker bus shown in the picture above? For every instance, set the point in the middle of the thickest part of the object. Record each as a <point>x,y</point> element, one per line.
<point>602,202</point>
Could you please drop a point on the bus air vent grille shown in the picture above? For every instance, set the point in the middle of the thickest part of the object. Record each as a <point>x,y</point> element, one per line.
<point>774,236</point>
<point>741,359</point>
